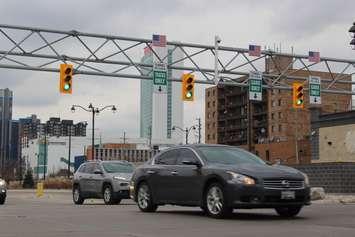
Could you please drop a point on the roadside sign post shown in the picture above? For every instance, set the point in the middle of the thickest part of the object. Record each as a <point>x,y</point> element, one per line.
<point>255,85</point>
<point>314,90</point>
<point>160,77</point>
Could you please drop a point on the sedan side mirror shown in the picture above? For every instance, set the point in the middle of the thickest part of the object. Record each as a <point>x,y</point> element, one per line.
<point>97,171</point>
<point>190,162</point>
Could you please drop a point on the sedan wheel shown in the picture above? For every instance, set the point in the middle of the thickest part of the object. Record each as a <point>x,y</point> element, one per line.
<point>144,199</point>
<point>215,202</point>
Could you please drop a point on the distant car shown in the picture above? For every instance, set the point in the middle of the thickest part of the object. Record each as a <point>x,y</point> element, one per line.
<point>102,179</point>
<point>218,179</point>
<point>2,191</point>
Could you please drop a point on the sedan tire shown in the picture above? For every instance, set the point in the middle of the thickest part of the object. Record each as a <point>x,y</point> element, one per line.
<point>144,199</point>
<point>108,195</point>
<point>214,202</point>
<point>288,211</point>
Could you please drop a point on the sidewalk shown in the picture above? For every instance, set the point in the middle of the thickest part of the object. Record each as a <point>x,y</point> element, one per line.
<point>337,198</point>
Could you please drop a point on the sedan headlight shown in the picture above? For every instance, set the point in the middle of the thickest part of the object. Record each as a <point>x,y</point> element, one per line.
<point>242,179</point>
<point>306,179</point>
<point>119,178</point>
<point>2,183</point>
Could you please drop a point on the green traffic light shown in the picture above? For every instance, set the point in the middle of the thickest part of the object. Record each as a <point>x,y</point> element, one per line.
<point>66,86</point>
<point>189,94</point>
<point>299,102</point>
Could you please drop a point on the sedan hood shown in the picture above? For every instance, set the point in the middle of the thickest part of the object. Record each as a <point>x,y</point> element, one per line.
<point>264,171</point>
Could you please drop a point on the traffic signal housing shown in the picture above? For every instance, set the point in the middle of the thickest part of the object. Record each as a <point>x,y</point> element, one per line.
<point>66,78</point>
<point>298,95</point>
<point>188,87</point>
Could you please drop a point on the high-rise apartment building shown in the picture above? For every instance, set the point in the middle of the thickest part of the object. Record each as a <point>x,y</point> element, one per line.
<point>271,127</point>
<point>159,112</point>
<point>5,126</point>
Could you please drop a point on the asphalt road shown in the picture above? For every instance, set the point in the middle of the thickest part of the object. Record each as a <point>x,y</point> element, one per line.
<point>54,215</point>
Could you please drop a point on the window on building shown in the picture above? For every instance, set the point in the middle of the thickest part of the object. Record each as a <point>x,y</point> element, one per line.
<point>213,92</point>
<point>214,114</point>
<point>208,94</point>
<point>214,103</point>
<point>280,127</point>
<point>279,102</point>
<point>273,104</point>
<point>208,137</point>
<point>272,116</point>
<point>208,115</point>
<point>272,128</point>
<point>208,126</point>
<point>208,104</point>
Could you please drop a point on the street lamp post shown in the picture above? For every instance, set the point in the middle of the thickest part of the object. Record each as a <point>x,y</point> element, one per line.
<point>93,110</point>
<point>186,130</point>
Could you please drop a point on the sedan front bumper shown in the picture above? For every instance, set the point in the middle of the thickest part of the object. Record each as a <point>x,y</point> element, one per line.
<point>256,196</point>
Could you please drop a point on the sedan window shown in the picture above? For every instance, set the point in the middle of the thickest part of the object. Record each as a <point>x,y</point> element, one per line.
<point>117,167</point>
<point>166,158</point>
<point>229,156</point>
<point>186,155</point>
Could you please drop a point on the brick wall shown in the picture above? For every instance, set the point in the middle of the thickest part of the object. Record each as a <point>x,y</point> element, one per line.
<point>334,177</point>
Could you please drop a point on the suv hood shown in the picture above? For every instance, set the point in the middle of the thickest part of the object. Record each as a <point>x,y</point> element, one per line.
<point>265,171</point>
<point>127,176</point>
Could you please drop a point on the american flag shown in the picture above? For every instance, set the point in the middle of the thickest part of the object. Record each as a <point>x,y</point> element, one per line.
<point>159,40</point>
<point>313,57</point>
<point>254,50</point>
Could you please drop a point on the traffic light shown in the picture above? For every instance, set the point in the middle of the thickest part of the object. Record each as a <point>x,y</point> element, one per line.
<point>298,95</point>
<point>188,88</point>
<point>66,78</point>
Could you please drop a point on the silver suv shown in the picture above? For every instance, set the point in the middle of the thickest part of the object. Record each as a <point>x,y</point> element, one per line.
<point>102,179</point>
<point>2,191</point>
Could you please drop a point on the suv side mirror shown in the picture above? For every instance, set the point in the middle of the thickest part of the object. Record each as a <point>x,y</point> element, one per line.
<point>190,162</point>
<point>97,171</point>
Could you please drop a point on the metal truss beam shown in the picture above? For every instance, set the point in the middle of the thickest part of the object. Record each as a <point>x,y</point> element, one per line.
<point>39,49</point>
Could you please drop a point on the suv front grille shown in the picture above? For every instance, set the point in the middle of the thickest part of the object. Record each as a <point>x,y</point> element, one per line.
<point>283,184</point>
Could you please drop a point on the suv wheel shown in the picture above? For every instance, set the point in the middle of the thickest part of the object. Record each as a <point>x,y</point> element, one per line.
<point>77,197</point>
<point>288,211</point>
<point>108,195</point>
<point>144,199</point>
<point>214,202</point>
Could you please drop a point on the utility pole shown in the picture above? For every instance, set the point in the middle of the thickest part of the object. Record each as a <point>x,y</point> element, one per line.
<point>69,151</point>
<point>296,136</point>
<point>199,130</point>
<point>250,125</point>
<point>45,154</point>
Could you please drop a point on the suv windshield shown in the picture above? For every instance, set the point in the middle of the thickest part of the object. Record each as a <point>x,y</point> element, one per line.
<point>117,167</point>
<point>229,156</point>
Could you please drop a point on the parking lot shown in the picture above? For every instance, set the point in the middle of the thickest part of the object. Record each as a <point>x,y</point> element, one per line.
<point>55,215</point>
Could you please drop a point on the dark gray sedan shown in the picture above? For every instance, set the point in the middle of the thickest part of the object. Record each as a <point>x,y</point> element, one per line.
<point>218,179</point>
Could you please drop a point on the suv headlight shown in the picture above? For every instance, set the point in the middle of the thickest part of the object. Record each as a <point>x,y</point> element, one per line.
<point>2,183</point>
<point>306,179</point>
<point>119,178</point>
<point>240,178</point>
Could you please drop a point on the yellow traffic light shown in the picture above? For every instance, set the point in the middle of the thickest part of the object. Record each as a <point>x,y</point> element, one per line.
<point>66,78</point>
<point>188,87</point>
<point>298,96</point>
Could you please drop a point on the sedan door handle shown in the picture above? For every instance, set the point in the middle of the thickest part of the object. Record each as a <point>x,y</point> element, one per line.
<point>151,171</point>
<point>174,172</point>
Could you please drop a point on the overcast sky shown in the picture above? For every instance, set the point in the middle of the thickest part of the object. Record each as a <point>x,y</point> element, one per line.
<point>318,25</point>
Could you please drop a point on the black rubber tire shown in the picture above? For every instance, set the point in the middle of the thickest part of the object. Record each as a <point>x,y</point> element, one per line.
<point>80,199</point>
<point>2,200</point>
<point>111,200</point>
<point>225,211</point>
<point>151,206</point>
<point>288,211</point>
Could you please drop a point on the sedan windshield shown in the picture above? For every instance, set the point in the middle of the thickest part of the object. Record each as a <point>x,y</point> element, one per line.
<point>229,156</point>
<point>117,167</point>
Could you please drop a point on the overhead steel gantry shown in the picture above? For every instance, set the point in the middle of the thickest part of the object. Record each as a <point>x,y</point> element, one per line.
<point>40,49</point>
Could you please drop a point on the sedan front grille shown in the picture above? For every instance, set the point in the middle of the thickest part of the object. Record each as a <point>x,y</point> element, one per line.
<point>283,184</point>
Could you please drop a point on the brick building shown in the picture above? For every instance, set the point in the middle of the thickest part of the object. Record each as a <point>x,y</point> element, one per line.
<point>274,124</point>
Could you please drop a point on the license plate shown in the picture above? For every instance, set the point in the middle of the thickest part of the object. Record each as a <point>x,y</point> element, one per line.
<point>288,195</point>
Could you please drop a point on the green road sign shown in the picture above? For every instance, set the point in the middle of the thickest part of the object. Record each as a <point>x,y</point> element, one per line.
<point>314,90</point>
<point>255,86</point>
<point>159,78</point>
